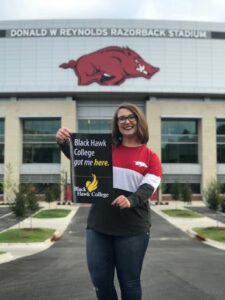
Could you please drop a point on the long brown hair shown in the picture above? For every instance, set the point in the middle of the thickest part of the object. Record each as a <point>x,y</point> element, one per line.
<point>142,126</point>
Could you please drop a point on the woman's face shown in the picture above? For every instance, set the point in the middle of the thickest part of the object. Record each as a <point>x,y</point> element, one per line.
<point>127,122</point>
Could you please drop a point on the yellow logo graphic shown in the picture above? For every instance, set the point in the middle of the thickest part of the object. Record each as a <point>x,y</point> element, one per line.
<point>92,185</point>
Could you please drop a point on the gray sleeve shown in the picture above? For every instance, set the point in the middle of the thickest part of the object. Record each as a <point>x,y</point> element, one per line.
<point>141,196</point>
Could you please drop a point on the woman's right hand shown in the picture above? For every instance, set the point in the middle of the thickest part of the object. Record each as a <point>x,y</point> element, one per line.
<point>62,135</point>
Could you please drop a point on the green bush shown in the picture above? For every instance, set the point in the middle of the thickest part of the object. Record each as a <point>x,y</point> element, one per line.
<point>53,193</point>
<point>56,191</point>
<point>32,201</point>
<point>49,196</point>
<point>176,190</point>
<point>25,202</point>
<point>212,195</point>
<point>19,206</point>
<point>186,193</point>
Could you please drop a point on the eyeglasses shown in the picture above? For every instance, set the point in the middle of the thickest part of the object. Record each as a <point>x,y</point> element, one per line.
<point>131,118</point>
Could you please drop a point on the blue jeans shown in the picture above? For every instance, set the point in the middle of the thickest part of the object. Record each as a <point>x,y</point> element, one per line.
<point>106,253</point>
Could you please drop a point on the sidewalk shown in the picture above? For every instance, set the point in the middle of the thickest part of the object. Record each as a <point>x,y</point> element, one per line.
<point>18,250</point>
<point>186,224</point>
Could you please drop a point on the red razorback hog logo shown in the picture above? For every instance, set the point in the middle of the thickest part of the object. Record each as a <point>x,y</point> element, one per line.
<point>110,66</point>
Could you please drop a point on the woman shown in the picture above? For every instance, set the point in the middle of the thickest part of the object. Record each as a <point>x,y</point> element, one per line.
<point>118,234</point>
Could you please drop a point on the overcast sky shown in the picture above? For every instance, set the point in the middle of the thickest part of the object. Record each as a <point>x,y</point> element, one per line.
<point>189,10</point>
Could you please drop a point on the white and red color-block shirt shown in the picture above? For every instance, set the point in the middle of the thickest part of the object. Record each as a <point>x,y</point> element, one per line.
<point>134,166</point>
<point>137,173</point>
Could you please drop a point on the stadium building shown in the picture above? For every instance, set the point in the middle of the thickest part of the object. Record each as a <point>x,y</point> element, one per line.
<point>74,73</point>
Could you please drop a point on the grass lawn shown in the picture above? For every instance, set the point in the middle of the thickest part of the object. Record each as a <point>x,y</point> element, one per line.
<point>181,213</point>
<point>213,233</point>
<point>26,235</point>
<point>52,213</point>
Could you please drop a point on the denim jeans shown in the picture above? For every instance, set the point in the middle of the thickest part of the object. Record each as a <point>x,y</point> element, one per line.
<point>106,253</point>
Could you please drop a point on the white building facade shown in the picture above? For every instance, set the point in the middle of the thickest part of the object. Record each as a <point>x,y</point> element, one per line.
<point>74,73</point>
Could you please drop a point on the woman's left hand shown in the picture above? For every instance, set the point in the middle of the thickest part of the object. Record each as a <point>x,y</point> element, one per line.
<point>122,202</point>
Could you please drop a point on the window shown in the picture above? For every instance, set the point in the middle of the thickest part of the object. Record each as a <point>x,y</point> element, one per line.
<point>179,141</point>
<point>222,188</point>
<point>195,188</point>
<point>220,136</point>
<point>39,145</point>
<point>94,126</point>
<point>40,188</point>
<point>2,138</point>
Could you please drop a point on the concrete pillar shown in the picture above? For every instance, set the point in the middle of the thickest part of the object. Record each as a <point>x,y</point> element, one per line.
<point>13,150</point>
<point>208,147</point>
<point>154,125</point>
<point>14,111</point>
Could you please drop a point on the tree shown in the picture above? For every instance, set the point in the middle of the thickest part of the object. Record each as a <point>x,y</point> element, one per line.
<point>56,191</point>
<point>63,184</point>
<point>31,198</point>
<point>49,196</point>
<point>212,195</point>
<point>175,190</point>
<point>19,206</point>
<point>9,186</point>
<point>186,193</point>
<point>25,202</point>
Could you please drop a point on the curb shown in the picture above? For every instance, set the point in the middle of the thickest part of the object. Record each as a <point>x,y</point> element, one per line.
<point>190,232</point>
<point>5,257</point>
<point>37,246</point>
<point>196,236</point>
<point>56,236</point>
<point>10,247</point>
<point>209,242</point>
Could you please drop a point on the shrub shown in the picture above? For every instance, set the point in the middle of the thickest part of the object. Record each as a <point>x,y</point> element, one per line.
<point>186,193</point>
<point>176,190</point>
<point>25,201</point>
<point>56,191</point>
<point>212,195</point>
<point>53,193</point>
<point>32,201</point>
<point>49,195</point>
<point>19,206</point>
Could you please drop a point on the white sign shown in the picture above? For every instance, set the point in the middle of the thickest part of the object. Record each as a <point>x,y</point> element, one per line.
<point>108,32</point>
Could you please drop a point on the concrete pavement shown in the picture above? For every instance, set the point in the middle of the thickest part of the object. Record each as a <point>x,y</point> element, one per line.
<point>16,250</point>
<point>175,267</point>
<point>187,224</point>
